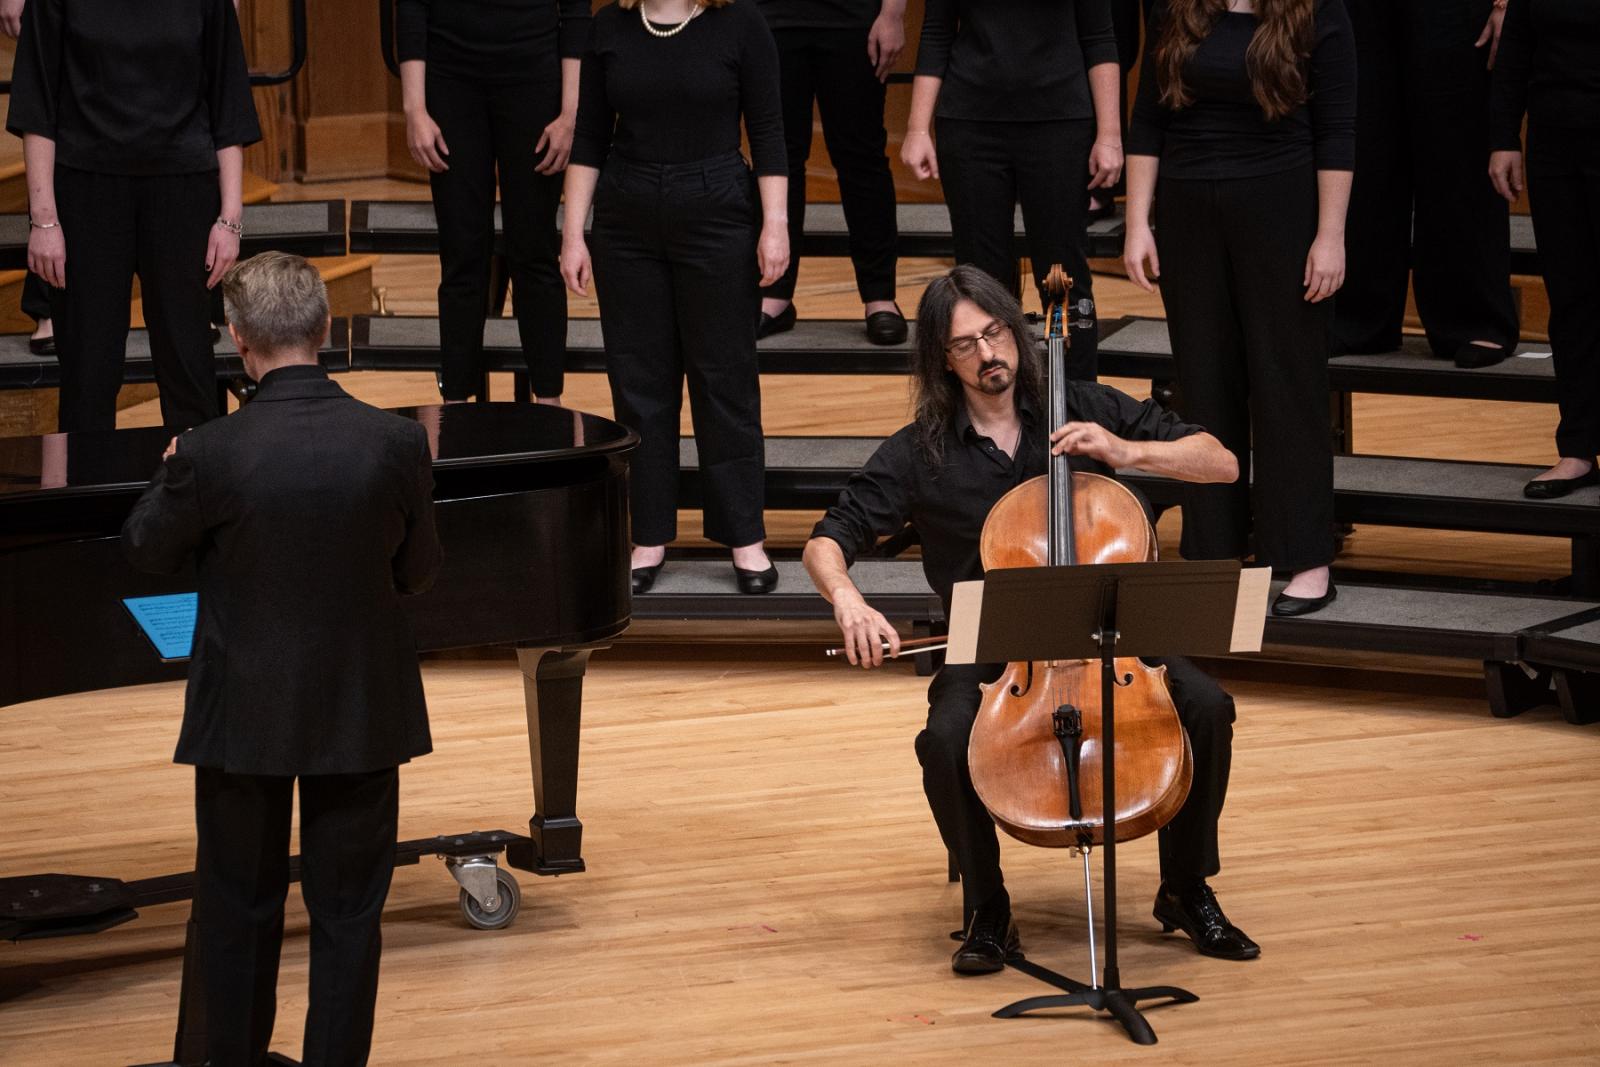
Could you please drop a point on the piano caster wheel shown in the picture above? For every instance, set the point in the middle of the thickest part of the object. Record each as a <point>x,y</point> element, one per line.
<point>505,904</point>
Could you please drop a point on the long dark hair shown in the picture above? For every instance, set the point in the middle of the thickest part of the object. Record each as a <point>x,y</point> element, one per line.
<point>936,391</point>
<point>1277,58</point>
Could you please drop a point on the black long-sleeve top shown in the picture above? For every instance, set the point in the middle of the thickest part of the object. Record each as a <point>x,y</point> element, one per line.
<point>679,99</point>
<point>1015,60</point>
<point>1223,133</point>
<point>133,88</point>
<point>492,41</point>
<point>948,504</point>
<point>1548,67</point>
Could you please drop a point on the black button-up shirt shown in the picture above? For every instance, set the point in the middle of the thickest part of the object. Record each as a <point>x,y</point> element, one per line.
<point>949,504</point>
<point>133,88</point>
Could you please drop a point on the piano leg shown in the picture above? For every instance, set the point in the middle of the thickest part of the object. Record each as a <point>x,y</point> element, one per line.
<point>552,682</point>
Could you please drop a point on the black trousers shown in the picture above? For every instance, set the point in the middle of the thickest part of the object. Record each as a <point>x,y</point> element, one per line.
<point>490,130</point>
<point>1422,142</point>
<point>1252,360</point>
<point>1564,190</point>
<point>831,67</point>
<point>675,270</point>
<point>348,825</point>
<point>987,169</point>
<point>1188,844</point>
<point>117,226</point>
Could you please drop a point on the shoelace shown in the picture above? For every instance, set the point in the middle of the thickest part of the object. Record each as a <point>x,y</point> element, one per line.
<point>1205,907</point>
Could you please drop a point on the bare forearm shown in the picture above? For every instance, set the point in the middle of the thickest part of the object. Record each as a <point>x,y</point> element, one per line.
<point>414,81</point>
<point>825,563</point>
<point>924,95</point>
<point>1141,173</point>
<point>577,193</point>
<point>1105,86</point>
<point>39,157</point>
<point>230,181</point>
<point>774,199</point>
<point>1197,458</point>
<point>1333,201</point>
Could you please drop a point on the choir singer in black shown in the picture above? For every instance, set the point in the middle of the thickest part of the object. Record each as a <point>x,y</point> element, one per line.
<point>980,431</point>
<point>133,119</point>
<point>306,515</point>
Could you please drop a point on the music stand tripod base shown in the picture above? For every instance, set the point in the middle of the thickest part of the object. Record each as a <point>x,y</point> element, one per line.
<point>1120,1004</point>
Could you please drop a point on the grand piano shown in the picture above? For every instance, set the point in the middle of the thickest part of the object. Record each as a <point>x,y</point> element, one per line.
<point>532,511</point>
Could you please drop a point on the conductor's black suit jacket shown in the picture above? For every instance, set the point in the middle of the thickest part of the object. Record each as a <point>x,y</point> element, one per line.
<point>307,514</point>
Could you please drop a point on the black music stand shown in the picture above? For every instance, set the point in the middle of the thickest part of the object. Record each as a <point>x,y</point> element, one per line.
<point>1101,611</point>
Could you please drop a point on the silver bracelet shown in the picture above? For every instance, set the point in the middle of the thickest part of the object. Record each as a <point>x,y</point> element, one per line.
<point>41,225</point>
<point>235,228</point>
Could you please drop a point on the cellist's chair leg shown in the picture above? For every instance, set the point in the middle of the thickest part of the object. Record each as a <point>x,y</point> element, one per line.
<point>954,871</point>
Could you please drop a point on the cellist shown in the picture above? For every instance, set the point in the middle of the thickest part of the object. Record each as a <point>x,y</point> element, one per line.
<point>978,432</point>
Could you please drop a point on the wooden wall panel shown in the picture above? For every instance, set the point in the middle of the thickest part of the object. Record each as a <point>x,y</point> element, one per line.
<point>341,97</point>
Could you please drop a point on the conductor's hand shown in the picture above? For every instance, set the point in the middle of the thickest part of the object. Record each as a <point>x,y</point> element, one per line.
<point>1139,258</point>
<point>556,144</point>
<point>772,252</point>
<point>576,268</point>
<point>222,252</point>
<point>426,142</point>
<point>11,18</point>
<point>865,630</point>
<point>1505,172</point>
<point>1105,165</point>
<point>917,152</point>
<point>1092,440</point>
<point>172,449</point>
<point>47,255</point>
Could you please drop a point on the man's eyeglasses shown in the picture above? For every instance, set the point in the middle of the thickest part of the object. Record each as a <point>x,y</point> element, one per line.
<point>964,348</point>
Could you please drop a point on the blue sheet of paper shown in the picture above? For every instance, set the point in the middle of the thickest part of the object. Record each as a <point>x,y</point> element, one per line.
<point>168,621</point>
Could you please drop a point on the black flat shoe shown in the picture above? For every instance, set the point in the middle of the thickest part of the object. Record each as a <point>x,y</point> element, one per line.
<point>886,327</point>
<point>990,939</point>
<point>1286,606</point>
<point>767,325</point>
<point>757,581</point>
<point>645,577</point>
<point>1552,488</point>
<point>42,346</point>
<point>1196,912</point>
<point>1471,357</point>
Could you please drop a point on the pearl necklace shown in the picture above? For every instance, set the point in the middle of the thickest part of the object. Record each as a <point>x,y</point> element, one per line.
<point>652,31</point>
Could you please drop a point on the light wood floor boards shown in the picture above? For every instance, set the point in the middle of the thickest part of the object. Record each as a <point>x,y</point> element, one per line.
<point>766,885</point>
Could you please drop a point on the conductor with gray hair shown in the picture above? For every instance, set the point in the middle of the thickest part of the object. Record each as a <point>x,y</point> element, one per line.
<point>306,516</point>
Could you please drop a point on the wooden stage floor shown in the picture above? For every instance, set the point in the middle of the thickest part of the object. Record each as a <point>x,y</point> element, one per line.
<point>766,884</point>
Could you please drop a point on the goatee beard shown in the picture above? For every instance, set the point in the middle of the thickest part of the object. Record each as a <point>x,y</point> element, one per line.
<point>994,384</point>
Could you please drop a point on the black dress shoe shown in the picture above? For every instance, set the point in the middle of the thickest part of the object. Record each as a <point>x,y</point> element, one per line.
<point>645,577</point>
<point>42,346</point>
<point>1552,488</point>
<point>767,325</point>
<point>990,939</point>
<point>1470,356</point>
<point>1195,911</point>
<point>1286,606</point>
<point>757,581</point>
<point>886,327</point>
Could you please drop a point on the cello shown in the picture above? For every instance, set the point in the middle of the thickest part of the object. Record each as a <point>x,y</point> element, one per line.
<point>1037,752</point>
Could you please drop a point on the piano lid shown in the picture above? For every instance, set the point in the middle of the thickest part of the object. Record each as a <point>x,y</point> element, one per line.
<point>459,435</point>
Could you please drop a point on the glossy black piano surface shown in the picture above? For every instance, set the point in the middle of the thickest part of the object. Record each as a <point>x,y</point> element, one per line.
<point>532,515</point>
